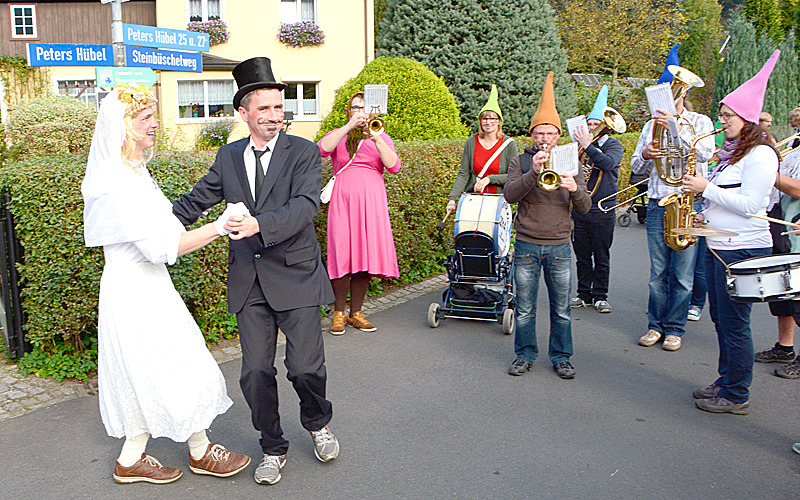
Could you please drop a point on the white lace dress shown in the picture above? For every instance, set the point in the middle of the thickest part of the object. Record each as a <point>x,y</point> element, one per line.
<point>155,373</point>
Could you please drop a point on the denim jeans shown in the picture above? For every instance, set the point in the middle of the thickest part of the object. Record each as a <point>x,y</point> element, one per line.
<point>671,276</point>
<point>699,288</point>
<point>732,322</point>
<point>529,261</point>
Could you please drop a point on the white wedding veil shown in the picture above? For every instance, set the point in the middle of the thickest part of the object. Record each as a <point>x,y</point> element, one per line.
<point>120,204</point>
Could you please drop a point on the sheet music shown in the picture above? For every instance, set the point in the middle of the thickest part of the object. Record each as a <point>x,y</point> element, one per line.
<point>660,97</point>
<point>574,123</point>
<point>565,159</point>
<point>376,99</point>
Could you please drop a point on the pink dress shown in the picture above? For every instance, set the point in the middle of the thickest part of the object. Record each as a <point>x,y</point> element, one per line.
<point>359,232</point>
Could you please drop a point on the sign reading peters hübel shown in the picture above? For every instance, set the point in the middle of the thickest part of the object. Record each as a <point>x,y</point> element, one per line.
<point>69,54</point>
<point>153,36</point>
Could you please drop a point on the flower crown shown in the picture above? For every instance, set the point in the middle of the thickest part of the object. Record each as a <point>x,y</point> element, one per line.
<point>136,97</point>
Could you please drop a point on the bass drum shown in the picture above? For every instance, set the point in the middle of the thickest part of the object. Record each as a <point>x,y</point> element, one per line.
<point>489,214</point>
<point>765,279</point>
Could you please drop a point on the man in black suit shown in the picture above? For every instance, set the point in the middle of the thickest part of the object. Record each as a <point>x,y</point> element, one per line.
<point>276,278</point>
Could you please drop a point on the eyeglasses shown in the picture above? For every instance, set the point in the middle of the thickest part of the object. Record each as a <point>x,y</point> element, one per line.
<point>357,108</point>
<point>726,116</point>
<point>549,135</point>
<point>490,119</point>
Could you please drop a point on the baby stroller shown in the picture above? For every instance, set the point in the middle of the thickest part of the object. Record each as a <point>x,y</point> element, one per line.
<point>638,203</point>
<point>481,270</point>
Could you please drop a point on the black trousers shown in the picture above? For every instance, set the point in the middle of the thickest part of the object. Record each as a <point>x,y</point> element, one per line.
<point>305,365</point>
<point>591,241</point>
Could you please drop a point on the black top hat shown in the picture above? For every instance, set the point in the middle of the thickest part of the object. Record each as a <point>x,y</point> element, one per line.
<point>252,74</point>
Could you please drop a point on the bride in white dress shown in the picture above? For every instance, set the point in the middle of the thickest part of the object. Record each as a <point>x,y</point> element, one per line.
<point>156,376</point>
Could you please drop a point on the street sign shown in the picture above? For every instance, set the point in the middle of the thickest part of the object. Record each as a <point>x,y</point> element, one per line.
<point>69,54</point>
<point>108,77</point>
<point>169,60</point>
<point>109,1</point>
<point>152,36</point>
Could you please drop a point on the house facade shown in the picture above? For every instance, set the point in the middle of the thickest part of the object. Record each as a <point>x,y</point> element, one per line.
<point>190,101</point>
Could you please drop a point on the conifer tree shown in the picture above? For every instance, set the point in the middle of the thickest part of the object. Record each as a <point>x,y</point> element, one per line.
<point>474,43</point>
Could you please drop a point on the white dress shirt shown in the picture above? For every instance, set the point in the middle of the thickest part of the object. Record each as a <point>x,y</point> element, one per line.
<point>250,162</point>
<point>656,188</point>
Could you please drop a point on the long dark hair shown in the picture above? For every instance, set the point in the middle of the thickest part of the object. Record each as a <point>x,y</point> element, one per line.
<point>750,137</point>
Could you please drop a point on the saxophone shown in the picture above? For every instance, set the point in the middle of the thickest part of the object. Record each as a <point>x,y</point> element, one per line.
<point>679,207</point>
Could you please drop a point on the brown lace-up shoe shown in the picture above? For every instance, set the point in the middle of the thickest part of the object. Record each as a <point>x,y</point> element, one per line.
<point>358,320</point>
<point>339,322</point>
<point>219,462</point>
<point>146,469</point>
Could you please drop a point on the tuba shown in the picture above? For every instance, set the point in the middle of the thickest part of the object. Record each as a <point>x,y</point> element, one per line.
<point>679,207</point>
<point>548,179</point>
<point>612,120</point>
<point>672,166</point>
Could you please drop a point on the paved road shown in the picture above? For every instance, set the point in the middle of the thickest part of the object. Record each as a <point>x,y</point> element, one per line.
<point>431,413</point>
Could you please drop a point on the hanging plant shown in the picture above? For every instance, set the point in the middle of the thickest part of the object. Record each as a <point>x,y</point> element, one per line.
<point>216,28</point>
<point>301,34</point>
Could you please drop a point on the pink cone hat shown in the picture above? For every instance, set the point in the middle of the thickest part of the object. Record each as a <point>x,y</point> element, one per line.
<point>748,100</point>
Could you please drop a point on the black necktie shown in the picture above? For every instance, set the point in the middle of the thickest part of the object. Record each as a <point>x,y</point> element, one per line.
<point>259,169</point>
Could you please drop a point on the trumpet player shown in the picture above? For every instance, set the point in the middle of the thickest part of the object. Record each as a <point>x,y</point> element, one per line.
<point>594,231</point>
<point>671,271</point>
<point>543,228</point>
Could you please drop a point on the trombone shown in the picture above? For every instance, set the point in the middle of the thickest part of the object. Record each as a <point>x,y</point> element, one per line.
<point>629,200</point>
<point>784,152</point>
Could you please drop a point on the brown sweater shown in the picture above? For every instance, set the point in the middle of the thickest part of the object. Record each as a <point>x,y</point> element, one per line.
<point>543,217</point>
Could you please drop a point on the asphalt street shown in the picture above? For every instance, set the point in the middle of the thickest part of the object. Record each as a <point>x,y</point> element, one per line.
<point>432,413</point>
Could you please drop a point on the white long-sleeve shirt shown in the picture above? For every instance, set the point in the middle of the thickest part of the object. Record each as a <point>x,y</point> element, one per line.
<point>727,208</point>
<point>656,188</point>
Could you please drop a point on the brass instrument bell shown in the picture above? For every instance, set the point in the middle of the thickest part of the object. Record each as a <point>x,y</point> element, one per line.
<point>548,179</point>
<point>375,125</point>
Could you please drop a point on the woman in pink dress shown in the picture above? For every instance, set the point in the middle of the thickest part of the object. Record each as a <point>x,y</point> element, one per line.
<point>360,241</point>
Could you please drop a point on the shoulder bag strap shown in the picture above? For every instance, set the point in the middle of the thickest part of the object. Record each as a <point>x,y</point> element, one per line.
<point>495,155</point>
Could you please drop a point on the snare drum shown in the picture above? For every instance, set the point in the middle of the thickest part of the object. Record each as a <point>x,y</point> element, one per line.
<point>765,279</point>
<point>489,214</point>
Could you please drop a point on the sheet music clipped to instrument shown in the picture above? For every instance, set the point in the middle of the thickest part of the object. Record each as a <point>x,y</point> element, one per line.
<point>660,97</point>
<point>376,99</point>
<point>564,159</point>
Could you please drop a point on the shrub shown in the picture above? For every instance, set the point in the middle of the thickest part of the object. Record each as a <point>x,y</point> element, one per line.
<point>420,106</point>
<point>50,125</point>
<point>217,30</point>
<point>214,134</point>
<point>301,34</point>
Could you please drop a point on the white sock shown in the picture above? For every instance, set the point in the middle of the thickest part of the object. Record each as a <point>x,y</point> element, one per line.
<point>198,445</point>
<point>132,450</point>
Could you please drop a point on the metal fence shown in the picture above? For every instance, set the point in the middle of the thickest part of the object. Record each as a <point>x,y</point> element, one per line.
<point>13,318</point>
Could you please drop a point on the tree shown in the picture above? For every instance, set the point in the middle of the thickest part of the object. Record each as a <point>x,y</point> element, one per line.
<point>766,17</point>
<point>699,51</point>
<point>746,54</point>
<point>474,43</point>
<point>627,37</point>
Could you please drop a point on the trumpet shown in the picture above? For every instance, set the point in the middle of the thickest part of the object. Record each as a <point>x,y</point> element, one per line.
<point>612,120</point>
<point>548,179</point>
<point>375,126</point>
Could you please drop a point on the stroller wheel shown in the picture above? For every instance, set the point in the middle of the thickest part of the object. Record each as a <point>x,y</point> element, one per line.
<point>641,216</point>
<point>508,321</point>
<point>624,220</point>
<point>433,315</point>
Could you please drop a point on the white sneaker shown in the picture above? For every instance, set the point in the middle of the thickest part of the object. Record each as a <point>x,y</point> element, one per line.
<point>694,313</point>
<point>649,338</point>
<point>671,343</point>
<point>269,469</point>
<point>326,446</point>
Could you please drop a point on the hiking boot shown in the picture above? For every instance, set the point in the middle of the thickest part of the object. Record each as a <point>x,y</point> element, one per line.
<point>694,313</point>
<point>338,323</point>
<point>219,462</point>
<point>269,469</point>
<point>671,343</point>
<point>326,446</point>
<point>775,354</point>
<point>706,392</point>
<point>792,370</point>
<point>649,338</point>
<point>718,404</point>
<point>358,320</point>
<point>146,469</point>
<point>564,370</point>
<point>578,302</point>
<point>519,367</point>
<point>602,306</point>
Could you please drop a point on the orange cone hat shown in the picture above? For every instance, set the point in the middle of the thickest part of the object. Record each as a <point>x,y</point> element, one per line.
<point>547,113</point>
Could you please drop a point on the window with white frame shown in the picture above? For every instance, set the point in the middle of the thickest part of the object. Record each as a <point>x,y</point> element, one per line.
<point>204,10</point>
<point>295,11</point>
<point>205,98</point>
<point>301,99</point>
<point>83,90</point>
<point>23,20</point>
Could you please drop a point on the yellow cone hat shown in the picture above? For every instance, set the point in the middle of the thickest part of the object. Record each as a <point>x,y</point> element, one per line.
<point>547,113</point>
<point>493,104</point>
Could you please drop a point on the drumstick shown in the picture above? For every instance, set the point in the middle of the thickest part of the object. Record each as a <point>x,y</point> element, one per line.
<point>796,231</point>
<point>777,221</point>
<point>440,225</point>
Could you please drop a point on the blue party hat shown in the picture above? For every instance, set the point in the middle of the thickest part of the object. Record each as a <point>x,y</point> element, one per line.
<point>672,59</point>
<point>599,104</point>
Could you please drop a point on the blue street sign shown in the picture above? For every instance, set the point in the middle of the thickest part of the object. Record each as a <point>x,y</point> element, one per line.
<point>152,36</point>
<point>108,77</point>
<point>69,54</point>
<point>169,60</point>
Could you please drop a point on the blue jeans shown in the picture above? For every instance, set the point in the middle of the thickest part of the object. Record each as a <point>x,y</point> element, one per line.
<point>732,322</point>
<point>671,277</point>
<point>529,261</point>
<point>699,288</point>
